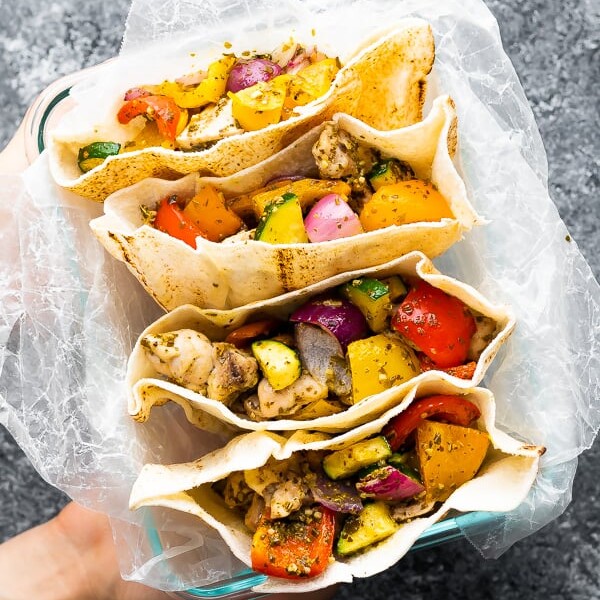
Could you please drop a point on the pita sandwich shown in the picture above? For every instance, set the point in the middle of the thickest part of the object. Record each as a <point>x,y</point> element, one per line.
<point>268,465</point>
<point>175,359</point>
<point>383,84</point>
<point>240,270</point>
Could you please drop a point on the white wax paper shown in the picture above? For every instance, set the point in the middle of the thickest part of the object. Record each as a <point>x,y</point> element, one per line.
<point>69,313</point>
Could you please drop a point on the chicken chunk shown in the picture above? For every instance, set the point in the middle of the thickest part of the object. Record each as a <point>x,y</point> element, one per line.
<point>338,155</point>
<point>219,371</point>
<point>288,497</point>
<point>305,389</point>
<point>234,372</point>
<point>215,122</point>
<point>484,334</point>
<point>185,356</point>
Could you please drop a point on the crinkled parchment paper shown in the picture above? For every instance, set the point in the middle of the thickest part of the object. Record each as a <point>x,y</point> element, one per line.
<point>69,313</point>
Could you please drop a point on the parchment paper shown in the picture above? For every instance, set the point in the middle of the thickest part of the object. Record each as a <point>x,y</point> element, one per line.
<point>69,313</point>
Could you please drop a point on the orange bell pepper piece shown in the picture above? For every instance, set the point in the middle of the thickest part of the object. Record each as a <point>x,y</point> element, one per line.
<point>404,202</point>
<point>208,211</point>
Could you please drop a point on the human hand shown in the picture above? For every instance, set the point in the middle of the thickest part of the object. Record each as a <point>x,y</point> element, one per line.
<point>73,557</point>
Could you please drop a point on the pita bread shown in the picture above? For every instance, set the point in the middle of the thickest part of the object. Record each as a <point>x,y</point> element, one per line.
<point>383,85</point>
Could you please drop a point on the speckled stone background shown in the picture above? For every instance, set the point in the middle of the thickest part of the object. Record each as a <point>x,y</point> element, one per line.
<point>554,46</point>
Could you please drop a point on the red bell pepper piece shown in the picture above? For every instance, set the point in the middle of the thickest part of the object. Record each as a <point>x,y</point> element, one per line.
<point>161,109</point>
<point>455,410</point>
<point>244,335</point>
<point>294,547</point>
<point>440,325</point>
<point>465,371</point>
<point>172,220</point>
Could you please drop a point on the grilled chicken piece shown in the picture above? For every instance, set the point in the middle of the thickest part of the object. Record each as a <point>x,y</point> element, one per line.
<point>484,334</point>
<point>185,356</point>
<point>234,372</point>
<point>237,494</point>
<point>219,371</point>
<point>287,497</point>
<point>212,124</point>
<point>338,155</point>
<point>411,509</point>
<point>287,401</point>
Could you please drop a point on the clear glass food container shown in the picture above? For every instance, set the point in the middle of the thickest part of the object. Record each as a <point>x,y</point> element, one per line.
<point>31,139</point>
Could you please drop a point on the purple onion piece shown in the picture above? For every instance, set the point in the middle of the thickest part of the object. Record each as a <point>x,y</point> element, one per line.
<point>246,73</point>
<point>388,483</point>
<point>340,317</point>
<point>336,495</point>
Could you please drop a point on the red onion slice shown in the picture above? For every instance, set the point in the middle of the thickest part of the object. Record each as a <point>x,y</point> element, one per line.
<point>388,483</point>
<point>335,495</point>
<point>339,317</point>
<point>330,219</point>
<point>246,73</point>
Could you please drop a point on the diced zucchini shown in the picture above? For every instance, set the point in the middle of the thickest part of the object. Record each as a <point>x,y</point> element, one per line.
<point>372,298</point>
<point>378,363</point>
<point>95,154</point>
<point>371,525</point>
<point>398,289</point>
<point>388,172</point>
<point>282,222</point>
<point>346,462</point>
<point>279,363</point>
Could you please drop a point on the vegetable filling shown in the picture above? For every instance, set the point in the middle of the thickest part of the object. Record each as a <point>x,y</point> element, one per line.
<point>337,349</point>
<point>317,505</point>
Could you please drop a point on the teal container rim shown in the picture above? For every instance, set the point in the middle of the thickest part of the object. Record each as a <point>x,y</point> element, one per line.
<point>442,532</point>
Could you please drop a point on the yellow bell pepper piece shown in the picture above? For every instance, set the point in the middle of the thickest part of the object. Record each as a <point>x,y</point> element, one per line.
<point>260,105</point>
<point>313,81</point>
<point>378,363</point>
<point>307,190</point>
<point>208,91</point>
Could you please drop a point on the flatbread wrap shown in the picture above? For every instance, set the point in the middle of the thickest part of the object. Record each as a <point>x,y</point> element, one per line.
<point>312,510</point>
<point>382,83</point>
<point>327,358</point>
<point>383,194</point>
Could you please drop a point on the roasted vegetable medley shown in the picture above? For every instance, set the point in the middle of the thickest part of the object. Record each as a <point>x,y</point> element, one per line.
<point>317,504</point>
<point>359,190</point>
<point>235,94</point>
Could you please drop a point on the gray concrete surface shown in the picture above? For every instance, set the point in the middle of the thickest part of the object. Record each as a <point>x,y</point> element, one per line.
<point>555,49</point>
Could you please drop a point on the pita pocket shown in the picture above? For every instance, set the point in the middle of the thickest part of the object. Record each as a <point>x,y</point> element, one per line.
<point>188,356</point>
<point>240,269</point>
<point>283,475</point>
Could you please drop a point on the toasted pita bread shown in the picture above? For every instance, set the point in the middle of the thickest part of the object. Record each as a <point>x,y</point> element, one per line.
<point>239,271</point>
<point>383,85</point>
<point>501,485</point>
<point>147,389</point>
